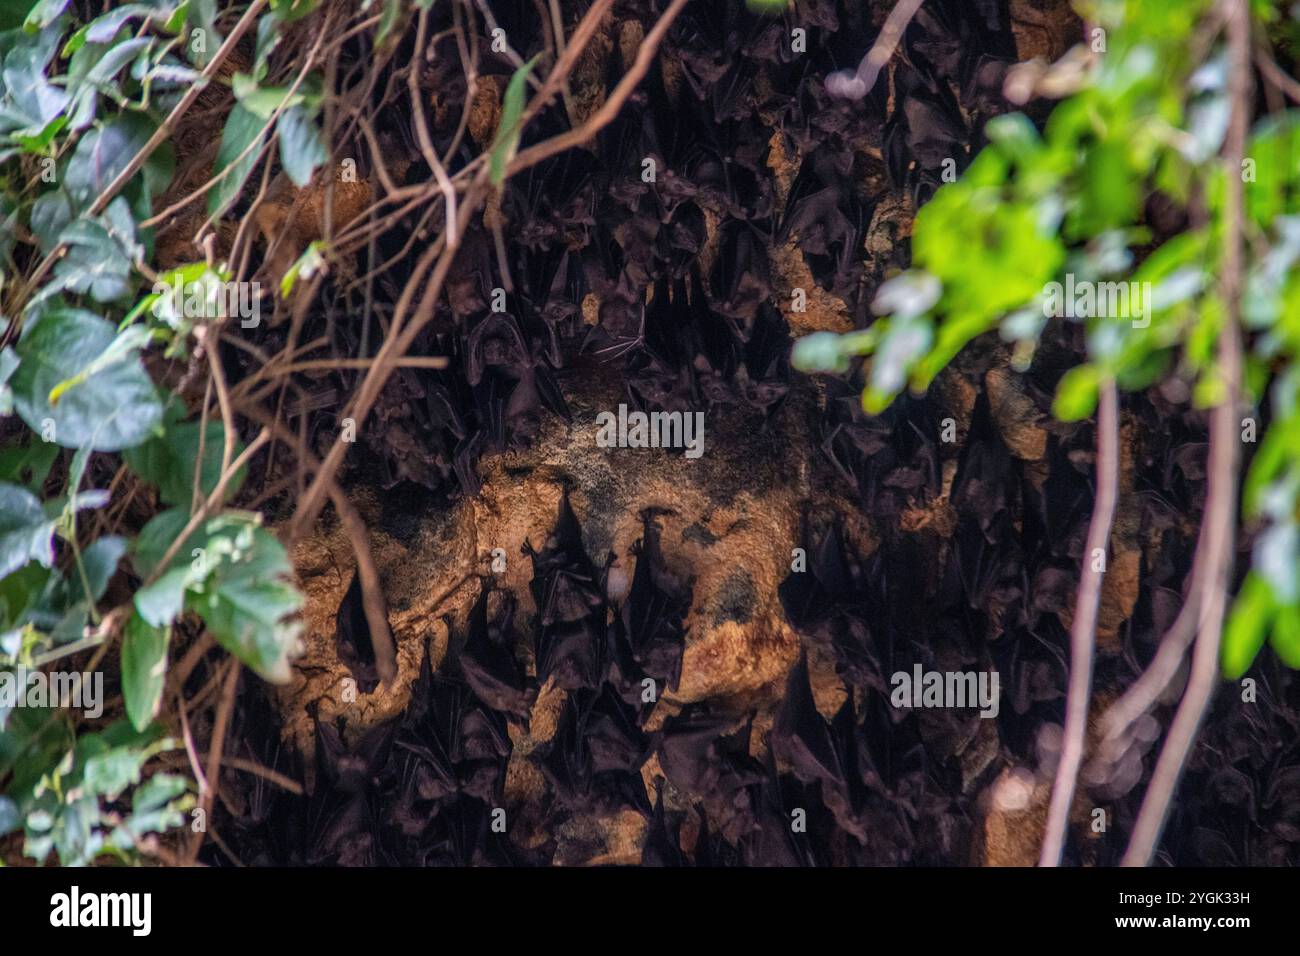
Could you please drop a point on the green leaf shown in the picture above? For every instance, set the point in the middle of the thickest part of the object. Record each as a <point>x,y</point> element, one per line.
<point>8,365</point>
<point>202,15</point>
<point>389,19</point>
<point>263,101</point>
<point>820,352</point>
<point>304,267</point>
<point>99,561</point>
<point>96,264</point>
<point>289,10</point>
<point>242,129</point>
<point>249,606</point>
<point>144,669</point>
<point>113,408</point>
<point>268,38</point>
<point>10,817</point>
<point>160,602</point>
<point>512,110</point>
<point>155,807</point>
<point>235,575</point>
<point>32,102</point>
<point>301,150</point>
<point>109,772</point>
<point>168,461</point>
<point>51,212</point>
<point>28,464</point>
<point>1286,635</point>
<point>903,344</point>
<point>26,534</point>
<point>1110,193</point>
<point>1076,394</point>
<point>103,153</point>
<point>43,13</point>
<point>1247,627</point>
<point>156,537</point>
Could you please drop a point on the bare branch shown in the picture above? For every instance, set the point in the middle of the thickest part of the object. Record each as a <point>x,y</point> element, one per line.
<point>1221,503</point>
<point>1083,628</point>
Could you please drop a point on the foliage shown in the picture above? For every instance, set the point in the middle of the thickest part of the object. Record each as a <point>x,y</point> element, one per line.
<point>79,102</point>
<point>1145,118</point>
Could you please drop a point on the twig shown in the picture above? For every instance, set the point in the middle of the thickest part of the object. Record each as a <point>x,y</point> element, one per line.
<point>1153,682</point>
<point>207,797</point>
<point>1275,75</point>
<point>394,346</point>
<point>191,752</point>
<point>179,674</point>
<point>1220,509</point>
<point>855,85</point>
<point>573,51</point>
<point>266,773</point>
<point>422,132</point>
<point>211,337</point>
<point>1083,629</point>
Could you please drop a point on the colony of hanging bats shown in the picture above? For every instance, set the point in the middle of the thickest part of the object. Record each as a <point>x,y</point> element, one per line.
<point>686,334</point>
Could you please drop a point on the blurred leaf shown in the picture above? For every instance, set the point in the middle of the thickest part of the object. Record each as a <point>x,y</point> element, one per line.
<point>168,460</point>
<point>113,408</point>
<point>301,149</point>
<point>235,575</point>
<point>1247,627</point>
<point>144,662</point>
<point>508,131</point>
<point>243,130</point>
<point>26,534</point>
<point>102,154</point>
<point>1076,394</point>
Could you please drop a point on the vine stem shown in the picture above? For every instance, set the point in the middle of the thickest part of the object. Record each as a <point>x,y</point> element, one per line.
<point>208,794</point>
<point>1083,628</point>
<point>1220,508</point>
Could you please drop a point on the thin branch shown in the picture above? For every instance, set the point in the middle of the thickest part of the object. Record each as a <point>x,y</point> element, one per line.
<point>1275,75</point>
<point>402,334</point>
<point>207,797</point>
<point>1153,682</point>
<point>422,132</point>
<point>1220,509</point>
<point>266,773</point>
<point>1083,628</point>
<point>211,337</point>
<point>858,84</point>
